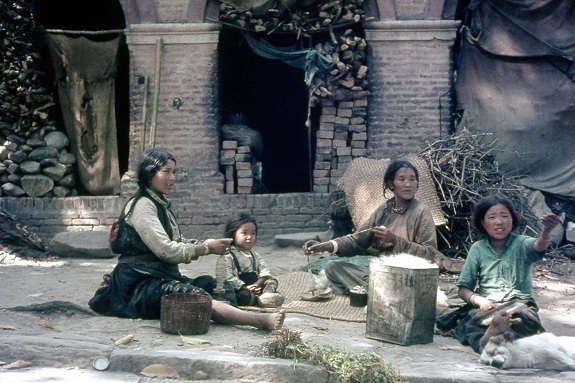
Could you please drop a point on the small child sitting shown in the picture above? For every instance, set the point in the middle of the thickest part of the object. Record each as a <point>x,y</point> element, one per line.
<point>247,272</point>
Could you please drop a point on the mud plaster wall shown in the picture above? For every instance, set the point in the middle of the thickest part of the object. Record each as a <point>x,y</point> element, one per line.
<point>410,68</point>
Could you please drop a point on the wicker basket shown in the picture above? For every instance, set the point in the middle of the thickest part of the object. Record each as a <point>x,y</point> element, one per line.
<point>185,314</point>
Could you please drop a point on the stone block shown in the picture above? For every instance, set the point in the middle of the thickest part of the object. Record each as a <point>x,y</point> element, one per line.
<point>81,244</point>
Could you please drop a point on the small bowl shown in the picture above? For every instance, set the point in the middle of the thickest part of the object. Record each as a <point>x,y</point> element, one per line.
<point>357,299</point>
<point>100,363</point>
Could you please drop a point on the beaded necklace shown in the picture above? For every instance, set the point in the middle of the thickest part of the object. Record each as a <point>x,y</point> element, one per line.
<point>401,209</point>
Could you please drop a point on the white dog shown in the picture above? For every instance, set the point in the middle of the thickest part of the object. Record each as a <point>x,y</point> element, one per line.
<point>543,351</point>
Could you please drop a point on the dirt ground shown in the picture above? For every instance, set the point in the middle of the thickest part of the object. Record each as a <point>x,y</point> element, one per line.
<point>25,283</point>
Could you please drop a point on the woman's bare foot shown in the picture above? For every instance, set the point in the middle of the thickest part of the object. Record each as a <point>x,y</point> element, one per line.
<point>274,321</point>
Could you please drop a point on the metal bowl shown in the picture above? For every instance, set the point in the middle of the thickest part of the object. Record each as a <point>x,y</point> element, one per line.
<point>100,363</point>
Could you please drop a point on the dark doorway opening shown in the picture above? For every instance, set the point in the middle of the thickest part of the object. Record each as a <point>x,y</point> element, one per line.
<point>274,98</point>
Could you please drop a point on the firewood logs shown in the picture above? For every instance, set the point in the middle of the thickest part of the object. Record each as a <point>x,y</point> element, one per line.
<point>302,16</point>
<point>34,160</point>
<point>348,80</point>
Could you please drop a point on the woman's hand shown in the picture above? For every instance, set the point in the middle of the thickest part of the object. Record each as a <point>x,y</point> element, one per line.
<point>383,234</point>
<point>218,246</point>
<point>312,246</point>
<point>307,245</point>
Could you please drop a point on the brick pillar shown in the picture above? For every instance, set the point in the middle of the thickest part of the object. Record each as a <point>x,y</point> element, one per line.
<point>410,75</point>
<point>185,57</point>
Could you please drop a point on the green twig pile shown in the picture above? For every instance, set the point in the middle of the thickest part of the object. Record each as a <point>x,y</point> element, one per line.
<point>347,366</point>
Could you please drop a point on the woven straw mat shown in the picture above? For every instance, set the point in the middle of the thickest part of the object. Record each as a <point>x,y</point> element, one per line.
<point>362,184</point>
<point>294,284</point>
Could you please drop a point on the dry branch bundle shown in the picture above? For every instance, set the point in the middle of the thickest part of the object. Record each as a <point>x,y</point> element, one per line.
<point>464,170</point>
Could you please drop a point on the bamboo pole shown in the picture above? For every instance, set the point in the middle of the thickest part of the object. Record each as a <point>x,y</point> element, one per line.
<point>144,115</point>
<point>156,99</point>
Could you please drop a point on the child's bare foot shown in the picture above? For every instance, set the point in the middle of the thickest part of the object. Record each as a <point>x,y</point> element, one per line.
<point>274,321</point>
<point>500,325</point>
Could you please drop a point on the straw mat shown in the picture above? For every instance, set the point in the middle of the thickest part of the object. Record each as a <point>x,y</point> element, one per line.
<point>294,284</point>
<point>362,184</point>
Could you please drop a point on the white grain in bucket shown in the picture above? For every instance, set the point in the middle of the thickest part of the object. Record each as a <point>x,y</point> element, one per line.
<point>402,299</point>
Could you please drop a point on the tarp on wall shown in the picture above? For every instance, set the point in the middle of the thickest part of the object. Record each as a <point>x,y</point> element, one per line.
<point>86,72</point>
<point>310,60</point>
<point>515,79</point>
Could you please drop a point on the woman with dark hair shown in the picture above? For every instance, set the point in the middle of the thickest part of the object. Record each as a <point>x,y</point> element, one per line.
<point>247,273</point>
<point>402,224</point>
<point>498,270</point>
<point>151,247</point>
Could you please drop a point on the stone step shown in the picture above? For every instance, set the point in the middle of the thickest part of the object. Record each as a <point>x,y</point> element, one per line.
<point>296,239</point>
<point>81,244</point>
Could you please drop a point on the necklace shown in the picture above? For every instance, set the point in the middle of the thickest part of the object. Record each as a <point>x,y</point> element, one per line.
<point>401,209</point>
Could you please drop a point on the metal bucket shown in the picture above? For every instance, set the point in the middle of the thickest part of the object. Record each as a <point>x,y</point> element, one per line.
<point>401,304</point>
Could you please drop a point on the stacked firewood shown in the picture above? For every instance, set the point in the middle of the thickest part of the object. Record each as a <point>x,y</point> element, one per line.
<point>26,104</point>
<point>348,79</point>
<point>315,16</point>
<point>24,100</point>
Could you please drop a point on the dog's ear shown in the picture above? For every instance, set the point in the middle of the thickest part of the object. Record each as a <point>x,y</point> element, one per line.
<point>497,339</point>
<point>509,335</point>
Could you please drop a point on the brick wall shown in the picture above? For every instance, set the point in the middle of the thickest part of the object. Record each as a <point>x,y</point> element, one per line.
<point>185,56</point>
<point>410,67</point>
<point>48,216</point>
<point>410,73</point>
<point>340,137</point>
<point>199,217</point>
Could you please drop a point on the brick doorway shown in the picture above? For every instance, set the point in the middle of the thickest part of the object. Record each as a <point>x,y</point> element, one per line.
<point>274,98</point>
